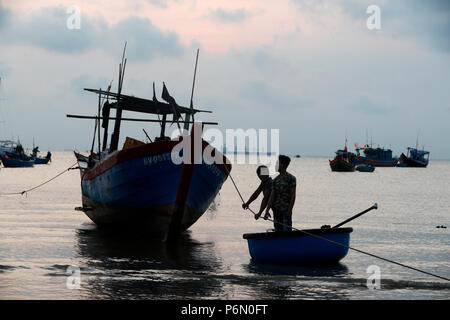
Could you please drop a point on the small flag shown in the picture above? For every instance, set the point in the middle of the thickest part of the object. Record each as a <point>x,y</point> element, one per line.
<point>154,94</point>
<point>168,98</point>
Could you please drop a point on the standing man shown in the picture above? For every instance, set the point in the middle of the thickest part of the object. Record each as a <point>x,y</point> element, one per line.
<point>282,197</point>
<point>265,187</point>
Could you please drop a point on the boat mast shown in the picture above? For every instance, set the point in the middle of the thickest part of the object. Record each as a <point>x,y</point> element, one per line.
<point>417,140</point>
<point>116,132</point>
<point>188,115</point>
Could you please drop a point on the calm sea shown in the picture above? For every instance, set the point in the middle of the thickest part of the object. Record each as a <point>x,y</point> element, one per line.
<point>41,236</point>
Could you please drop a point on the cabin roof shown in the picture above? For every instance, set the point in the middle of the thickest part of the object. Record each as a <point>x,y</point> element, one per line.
<point>131,103</point>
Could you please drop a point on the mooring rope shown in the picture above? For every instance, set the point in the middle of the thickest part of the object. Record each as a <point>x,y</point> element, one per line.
<point>40,185</point>
<point>337,243</point>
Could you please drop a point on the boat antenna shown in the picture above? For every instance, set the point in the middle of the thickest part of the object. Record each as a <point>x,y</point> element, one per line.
<point>417,139</point>
<point>188,115</point>
<point>116,133</point>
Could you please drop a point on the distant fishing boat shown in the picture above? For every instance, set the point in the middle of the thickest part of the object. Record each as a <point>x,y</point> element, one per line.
<point>7,145</point>
<point>343,161</point>
<point>16,160</point>
<point>298,247</point>
<point>140,186</point>
<point>414,158</point>
<point>41,160</point>
<point>375,157</point>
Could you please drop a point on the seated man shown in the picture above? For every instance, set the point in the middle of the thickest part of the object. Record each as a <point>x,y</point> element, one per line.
<point>265,187</point>
<point>282,197</point>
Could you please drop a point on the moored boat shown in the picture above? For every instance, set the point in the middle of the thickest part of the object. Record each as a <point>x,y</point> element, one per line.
<point>343,161</point>
<point>41,160</point>
<point>141,186</point>
<point>375,157</point>
<point>299,247</point>
<point>414,158</point>
<point>15,160</point>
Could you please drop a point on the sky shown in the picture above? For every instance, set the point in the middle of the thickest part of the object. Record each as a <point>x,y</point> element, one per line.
<point>312,69</point>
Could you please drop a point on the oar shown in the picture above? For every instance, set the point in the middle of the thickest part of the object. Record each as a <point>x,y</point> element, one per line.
<point>375,206</point>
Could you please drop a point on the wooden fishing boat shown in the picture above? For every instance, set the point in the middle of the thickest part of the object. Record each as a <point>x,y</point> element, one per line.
<point>343,162</point>
<point>141,186</point>
<point>299,247</point>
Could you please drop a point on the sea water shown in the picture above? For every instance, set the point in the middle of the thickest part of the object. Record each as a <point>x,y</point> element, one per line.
<point>50,251</point>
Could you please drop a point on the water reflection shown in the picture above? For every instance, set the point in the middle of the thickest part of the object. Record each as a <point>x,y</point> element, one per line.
<point>298,281</point>
<point>132,266</point>
<point>311,270</point>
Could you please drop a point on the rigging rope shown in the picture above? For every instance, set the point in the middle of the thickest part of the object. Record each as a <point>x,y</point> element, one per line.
<point>40,185</point>
<point>340,244</point>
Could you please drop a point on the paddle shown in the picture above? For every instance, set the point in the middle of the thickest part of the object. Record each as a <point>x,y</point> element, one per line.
<point>375,206</point>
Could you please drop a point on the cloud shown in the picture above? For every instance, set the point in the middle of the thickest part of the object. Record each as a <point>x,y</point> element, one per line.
<point>159,3</point>
<point>426,22</point>
<point>226,16</point>
<point>145,40</point>
<point>260,93</point>
<point>5,15</point>
<point>47,28</point>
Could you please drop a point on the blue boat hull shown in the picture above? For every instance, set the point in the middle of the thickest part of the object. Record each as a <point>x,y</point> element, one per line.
<point>9,162</point>
<point>41,160</point>
<point>375,162</point>
<point>143,188</point>
<point>296,247</point>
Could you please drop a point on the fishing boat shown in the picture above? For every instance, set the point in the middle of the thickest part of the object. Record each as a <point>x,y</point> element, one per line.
<point>7,145</point>
<point>40,160</point>
<point>141,186</point>
<point>414,158</point>
<point>365,168</point>
<point>299,247</point>
<point>375,157</point>
<point>343,161</point>
<point>16,160</point>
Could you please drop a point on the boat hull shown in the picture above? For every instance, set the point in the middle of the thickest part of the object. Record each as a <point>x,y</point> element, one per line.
<point>404,161</point>
<point>41,160</point>
<point>142,188</point>
<point>9,162</point>
<point>375,163</point>
<point>296,247</point>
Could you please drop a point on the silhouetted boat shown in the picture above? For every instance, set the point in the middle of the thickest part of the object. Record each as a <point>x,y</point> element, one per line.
<point>343,161</point>
<point>297,247</point>
<point>141,186</point>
